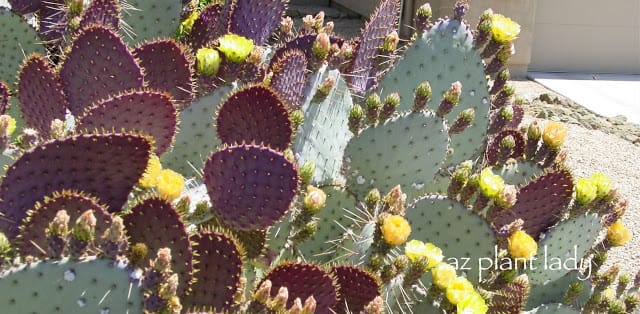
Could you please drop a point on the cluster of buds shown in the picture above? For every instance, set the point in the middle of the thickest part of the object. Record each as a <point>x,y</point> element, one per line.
<point>464,120</point>
<point>263,301</point>
<point>356,113</point>
<point>324,88</point>
<point>422,96</point>
<point>161,285</point>
<point>459,179</point>
<point>423,18</point>
<point>373,106</point>
<point>450,99</point>
<point>314,200</point>
<point>389,106</point>
<point>82,234</point>
<point>115,239</point>
<point>57,233</point>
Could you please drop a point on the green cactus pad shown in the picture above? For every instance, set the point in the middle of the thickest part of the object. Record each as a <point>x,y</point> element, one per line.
<point>208,26</point>
<point>86,286</point>
<point>156,223</point>
<point>289,77</point>
<point>148,20</point>
<point>33,237</point>
<point>321,247</point>
<point>250,187</point>
<point>493,148</point>
<point>99,65</point>
<point>219,266</point>
<point>255,114</point>
<point>460,233</point>
<point>149,112</point>
<point>519,173</point>
<point>105,166</point>
<point>303,281</point>
<point>256,19</point>
<point>541,203</point>
<point>569,239</point>
<point>198,137</point>
<point>325,132</point>
<point>356,288</point>
<point>17,40</point>
<point>554,291</point>
<point>103,12</point>
<point>443,55</point>
<point>173,77</point>
<point>555,308</point>
<point>40,93</point>
<point>406,150</point>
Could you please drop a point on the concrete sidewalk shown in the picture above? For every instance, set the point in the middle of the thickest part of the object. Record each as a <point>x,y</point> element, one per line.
<point>606,94</point>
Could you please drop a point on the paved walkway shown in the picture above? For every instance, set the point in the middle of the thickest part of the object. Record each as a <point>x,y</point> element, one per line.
<point>606,94</point>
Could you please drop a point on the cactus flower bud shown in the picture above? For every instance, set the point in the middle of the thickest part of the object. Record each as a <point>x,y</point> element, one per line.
<point>318,21</point>
<point>346,51</point>
<point>296,308</point>
<point>372,198</point>
<point>59,226</point>
<point>618,234</point>
<point>396,200</point>
<point>309,305</point>
<point>422,96</point>
<point>263,293</point>
<point>286,25</point>
<point>5,245</point>
<point>137,254</point>
<point>355,118</point>
<point>395,229</point>
<point>490,184</point>
<point>308,22</point>
<point>460,9</point>
<point>115,232</point>
<point>326,86</point>
<point>464,120</point>
<point>450,99</point>
<point>508,197</point>
<point>56,129</point>
<point>391,102</point>
<point>280,300</point>
<point>170,288</point>
<point>85,226</point>
<point>586,191</point>
<point>534,131</point>
<point>373,105</point>
<point>522,245</point>
<point>7,125</point>
<point>423,15</point>
<point>321,46</point>
<point>506,113</point>
<point>328,28</point>
<point>235,48</point>
<point>163,260</point>
<point>297,118</point>
<point>390,43</point>
<point>187,24</point>
<point>602,183</point>
<point>508,142</point>
<point>256,56</point>
<point>208,61</point>
<point>376,306</point>
<point>314,200</point>
<point>306,171</point>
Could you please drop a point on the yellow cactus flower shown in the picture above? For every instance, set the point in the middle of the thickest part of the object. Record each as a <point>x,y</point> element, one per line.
<point>586,191</point>
<point>459,289</point>
<point>416,249</point>
<point>150,177</point>
<point>443,275</point>
<point>503,29</point>
<point>473,304</point>
<point>395,229</point>
<point>169,184</point>
<point>602,183</point>
<point>490,184</point>
<point>235,48</point>
<point>522,245</point>
<point>554,134</point>
<point>618,234</point>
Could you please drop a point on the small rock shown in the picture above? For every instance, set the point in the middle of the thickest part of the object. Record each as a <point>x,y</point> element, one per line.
<point>618,120</point>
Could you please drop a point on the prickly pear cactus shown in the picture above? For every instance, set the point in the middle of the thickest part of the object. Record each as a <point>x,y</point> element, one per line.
<point>150,19</point>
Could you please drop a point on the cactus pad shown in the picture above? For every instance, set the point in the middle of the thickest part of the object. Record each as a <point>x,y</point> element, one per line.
<point>99,65</point>
<point>554,291</point>
<point>219,266</point>
<point>197,138</point>
<point>541,203</point>
<point>459,232</point>
<point>519,173</point>
<point>103,12</point>
<point>105,166</point>
<point>250,187</point>
<point>356,288</point>
<point>555,308</point>
<point>571,238</point>
<point>17,39</point>
<point>498,124</point>
<point>325,131</point>
<point>255,114</point>
<point>53,18</point>
<point>40,93</point>
<point>303,281</point>
<point>25,6</point>
<point>443,55</point>
<point>256,19</point>
<point>149,112</point>
<point>208,26</point>
<point>383,21</point>
<point>289,77</point>
<point>512,297</point>
<point>151,19</point>
<point>173,77</point>
<point>33,236</point>
<point>406,150</point>
<point>86,286</point>
<point>494,150</point>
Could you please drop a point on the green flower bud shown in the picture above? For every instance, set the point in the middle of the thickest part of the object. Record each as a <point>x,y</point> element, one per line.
<point>137,254</point>
<point>508,142</point>
<point>235,48</point>
<point>534,131</point>
<point>586,191</point>
<point>355,118</point>
<point>490,184</point>
<point>288,153</point>
<point>297,118</point>
<point>372,198</point>
<point>306,172</point>
<point>59,226</point>
<point>506,113</point>
<point>208,61</point>
<point>425,11</point>
<point>5,245</point>
<point>373,106</point>
<point>390,42</point>
<point>321,46</point>
<point>314,200</point>
<point>85,226</point>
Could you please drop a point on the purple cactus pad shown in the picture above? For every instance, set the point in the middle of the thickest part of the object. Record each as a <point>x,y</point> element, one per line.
<point>208,26</point>
<point>40,93</point>
<point>255,114</point>
<point>156,223</point>
<point>25,6</point>
<point>219,266</point>
<point>4,98</point>
<point>356,288</point>
<point>102,12</point>
<point>106,166</point>
<point>256,19</point>
<point>167,68</point>
<point>145,111</point>
<point>250,187</point>
<point>53,20</point>
<point>494,152</point>
<point>289,77</point>
<point>304,43</point>
<point>98,66</point>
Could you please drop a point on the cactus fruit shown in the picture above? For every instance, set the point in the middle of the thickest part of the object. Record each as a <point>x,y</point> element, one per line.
<point>231,171</point>
<point>255,114</point>
<point>17,39</point>
<point>256,19</point>
<point>289,77</point>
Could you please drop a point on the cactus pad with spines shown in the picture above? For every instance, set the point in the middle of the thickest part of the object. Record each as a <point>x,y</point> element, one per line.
<point>493,149</point>
<point>25,6</point>
<point>17,40</point>
<point>151,19</point>
<point>103,12</point>
<point>454,228</point>
<point>219,266</point>
<point>167,67</point>
<point>561,243</point>
<point>511,298</point>
<point>443,55</point>
<point>555,308</point>
<point>554,291</point>
<point>256,19</point>
<point>86,286</point>
<point>145,111</point>
<point>53,19</point>
<point>255,114</point>
<point>40,93</point>
<point>407,150</point>
<point>325,131</point>
<point>304,43</point>
<point>303,281</point>
<point>98,66</point>
<point>289,77</point>
<point>250,187</point>
<point>208,26</point>
<point>105,166</point>
<point>198,137</point>
<point>33,237</point>
<point>356,288</point>
<point>156,223</point>
<point>541,203</point>
<point>498,124</point>
<point>383,21</point>
<point>519,173</point>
